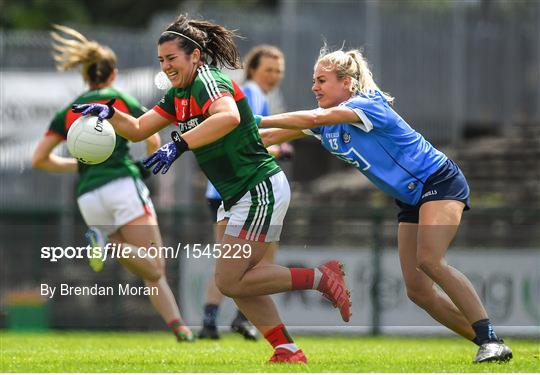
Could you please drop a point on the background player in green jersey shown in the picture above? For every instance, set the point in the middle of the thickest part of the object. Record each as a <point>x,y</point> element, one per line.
<point>127,217</point>
<point>217,124</point>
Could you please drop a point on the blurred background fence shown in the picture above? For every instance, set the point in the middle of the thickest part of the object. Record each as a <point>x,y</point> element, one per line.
<point>466,74</point>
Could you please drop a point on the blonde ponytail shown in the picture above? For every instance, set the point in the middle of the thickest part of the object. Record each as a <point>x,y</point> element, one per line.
<point>72,49</point>
<point>351,64</point>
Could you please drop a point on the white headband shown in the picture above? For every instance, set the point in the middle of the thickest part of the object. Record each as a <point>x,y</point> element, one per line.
<point>183,36</point>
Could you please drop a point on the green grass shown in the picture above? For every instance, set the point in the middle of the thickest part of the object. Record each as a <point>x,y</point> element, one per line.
<point>158,352</point>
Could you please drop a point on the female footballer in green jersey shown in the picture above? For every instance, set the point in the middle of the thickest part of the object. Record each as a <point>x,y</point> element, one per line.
<point>112,198</point>
<point>217,124</point>
<point>264,68</point>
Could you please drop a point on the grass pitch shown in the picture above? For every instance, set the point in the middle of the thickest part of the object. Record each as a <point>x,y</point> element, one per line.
<point>159,352</point>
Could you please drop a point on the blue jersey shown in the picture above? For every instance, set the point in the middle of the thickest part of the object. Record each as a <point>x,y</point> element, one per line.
<point>390,153</point>
<point>257,99</point>
<point>211,192</point>
<point>258,102</point>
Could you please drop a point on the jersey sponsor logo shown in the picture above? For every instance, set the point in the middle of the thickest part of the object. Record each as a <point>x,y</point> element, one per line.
<point>429,193</point>
<point>188,125</point>
<point>353,157</point>
<point>332,135</point>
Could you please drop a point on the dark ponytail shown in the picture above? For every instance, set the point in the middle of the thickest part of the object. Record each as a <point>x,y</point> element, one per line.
<point>216,42</point>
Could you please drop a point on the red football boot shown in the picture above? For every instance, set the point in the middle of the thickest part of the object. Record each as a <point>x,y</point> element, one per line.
<point>334,288</point>
<point>282,355</point>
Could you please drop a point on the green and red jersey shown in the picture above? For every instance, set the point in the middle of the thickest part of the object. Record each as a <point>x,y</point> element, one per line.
<point>238,161</point>
<point>120,163</point>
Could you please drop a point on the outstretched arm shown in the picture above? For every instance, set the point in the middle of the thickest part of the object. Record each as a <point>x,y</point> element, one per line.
<point>310,119</point>
<point>44,159</point>
<point>127,126</point>
<point>138,129</point>
<point>277,136</point>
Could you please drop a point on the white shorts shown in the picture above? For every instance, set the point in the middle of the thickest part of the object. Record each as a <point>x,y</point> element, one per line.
<point>258,215</point>
<point>115,204</point>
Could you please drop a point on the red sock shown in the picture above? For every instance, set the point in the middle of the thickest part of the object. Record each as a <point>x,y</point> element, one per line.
<point>174,323</point>
<point>175,326</point>
<point>302,278</point>
<point>278,336</point>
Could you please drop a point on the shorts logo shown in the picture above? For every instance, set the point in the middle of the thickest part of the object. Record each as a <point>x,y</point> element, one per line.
<point>346,137</point>
<point>411,185</point>
<point>429,193</point>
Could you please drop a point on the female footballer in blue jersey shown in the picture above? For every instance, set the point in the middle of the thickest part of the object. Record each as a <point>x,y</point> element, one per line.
<point>357,124</point>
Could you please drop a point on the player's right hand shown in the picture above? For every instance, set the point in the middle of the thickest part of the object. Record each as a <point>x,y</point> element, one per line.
<point>102,111</point>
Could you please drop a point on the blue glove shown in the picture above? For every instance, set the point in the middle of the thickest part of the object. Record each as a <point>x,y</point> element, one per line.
<point>167,154</point>
<point>258,119</point>
<point>102,111</point>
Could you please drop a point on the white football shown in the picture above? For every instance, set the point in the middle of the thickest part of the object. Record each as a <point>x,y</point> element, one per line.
<point>91,140</point>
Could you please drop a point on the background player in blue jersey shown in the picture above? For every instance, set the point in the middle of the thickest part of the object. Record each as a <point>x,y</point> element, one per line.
<point>264,69</point>
<point>356,123</point>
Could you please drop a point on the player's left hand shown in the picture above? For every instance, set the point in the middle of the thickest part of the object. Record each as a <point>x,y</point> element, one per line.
<point>166,154</point>
<point>102,111</point>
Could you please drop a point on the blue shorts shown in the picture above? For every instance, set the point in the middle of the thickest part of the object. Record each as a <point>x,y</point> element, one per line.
<point>448,183</point>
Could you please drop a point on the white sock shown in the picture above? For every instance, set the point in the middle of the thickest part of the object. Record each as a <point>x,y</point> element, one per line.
<point>316,278</point>
<point>290,347</point>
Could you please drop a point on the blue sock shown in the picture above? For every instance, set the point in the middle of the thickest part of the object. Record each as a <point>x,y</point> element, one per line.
<point>484,332</point>
<point>210,315</point>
